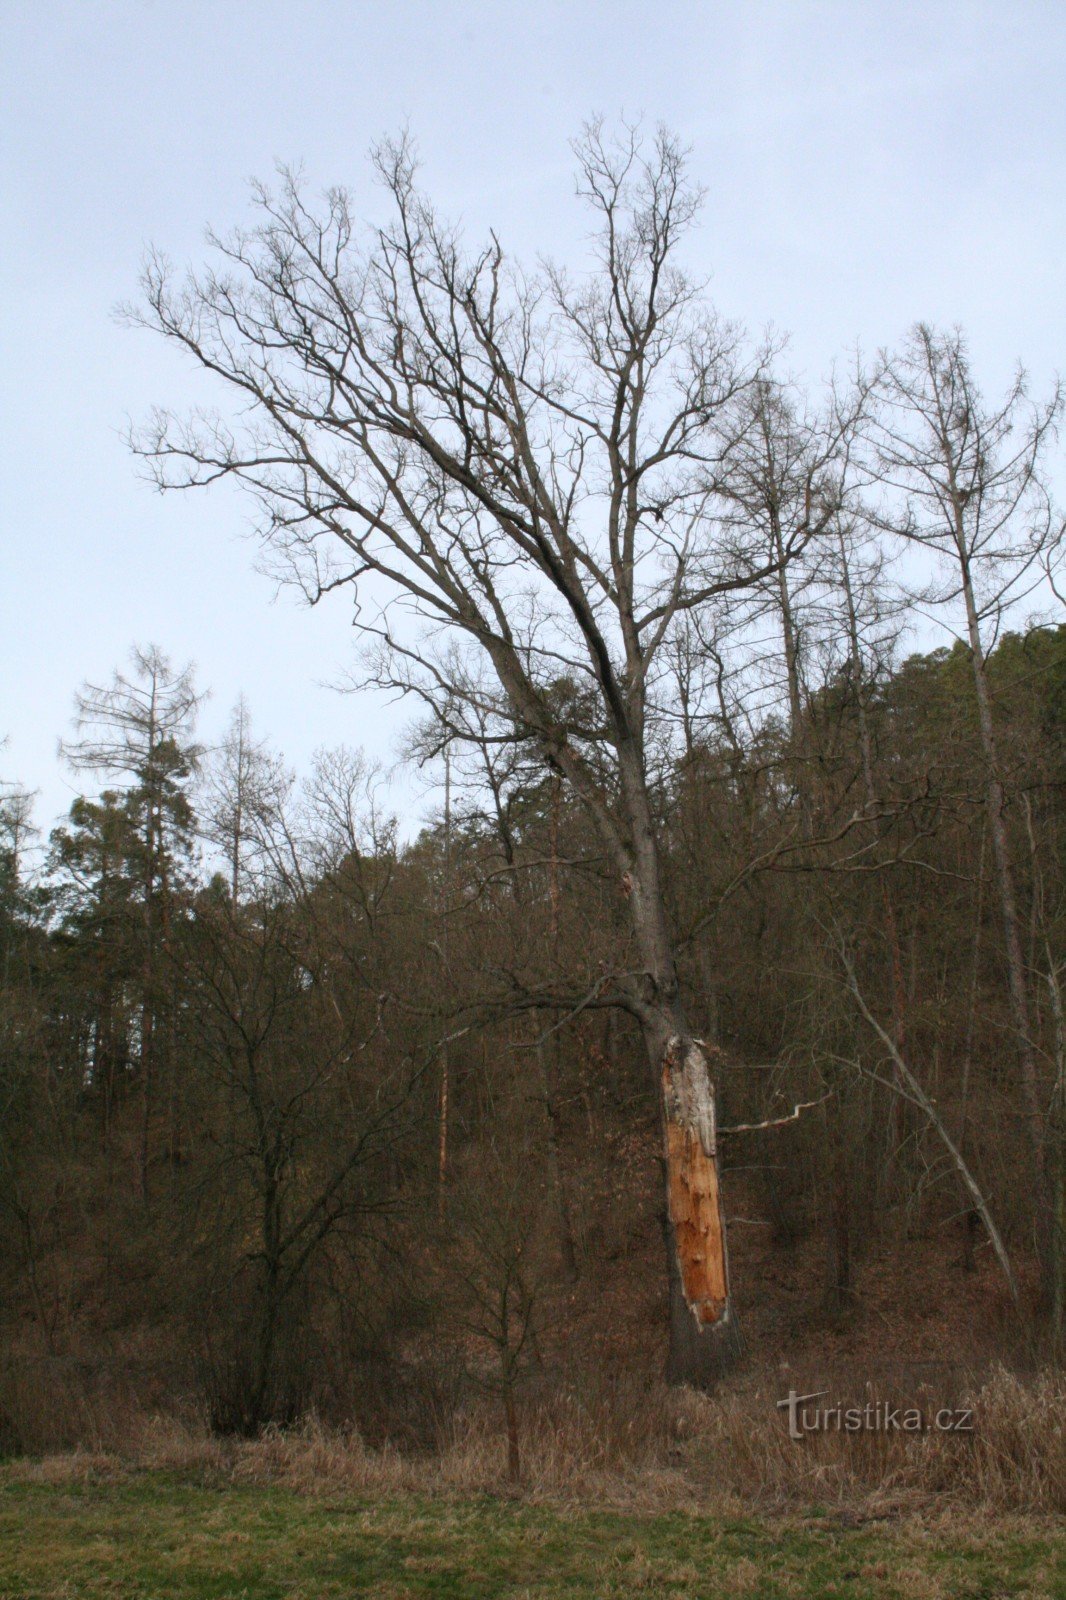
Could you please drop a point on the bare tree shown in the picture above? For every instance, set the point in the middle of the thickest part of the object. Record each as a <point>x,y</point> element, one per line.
<point>972,491</point>
<point>525,464</point>
<point>495,1275</point>
<point>244,784</point>
<point>778,455</point>
<point>313,1111</point>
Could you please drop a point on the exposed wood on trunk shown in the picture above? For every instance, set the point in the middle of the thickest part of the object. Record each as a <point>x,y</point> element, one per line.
<point>694,1204</point>
<point>703,1336</point>
<point>695,1212</point>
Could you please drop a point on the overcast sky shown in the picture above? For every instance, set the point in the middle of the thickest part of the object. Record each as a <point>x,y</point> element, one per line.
<point>866,163</point>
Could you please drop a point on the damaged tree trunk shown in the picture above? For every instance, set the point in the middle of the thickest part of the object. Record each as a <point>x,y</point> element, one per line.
<point>704,1338</point>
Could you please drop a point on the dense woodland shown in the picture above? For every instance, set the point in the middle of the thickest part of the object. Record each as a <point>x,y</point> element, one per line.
<point>297,1115</point>
<point>284,1100</point>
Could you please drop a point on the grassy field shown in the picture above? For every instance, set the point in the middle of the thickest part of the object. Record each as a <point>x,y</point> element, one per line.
<point>154,1534</point>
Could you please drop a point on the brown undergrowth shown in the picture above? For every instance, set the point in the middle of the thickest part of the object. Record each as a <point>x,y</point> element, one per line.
<point>638,1445</point>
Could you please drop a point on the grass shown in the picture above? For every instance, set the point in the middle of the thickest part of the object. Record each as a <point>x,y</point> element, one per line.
<point>145,1535</point>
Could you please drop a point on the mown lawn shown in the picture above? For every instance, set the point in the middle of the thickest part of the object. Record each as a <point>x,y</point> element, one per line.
<point>157,1535</point>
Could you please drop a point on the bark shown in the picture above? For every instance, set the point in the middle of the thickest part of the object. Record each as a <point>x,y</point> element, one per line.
<point>704,1337</point>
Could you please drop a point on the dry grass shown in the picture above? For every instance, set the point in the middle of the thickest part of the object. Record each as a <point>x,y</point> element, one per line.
<point>640,1446</point>
<point>1015,1458</point>
<point>50,1403</point>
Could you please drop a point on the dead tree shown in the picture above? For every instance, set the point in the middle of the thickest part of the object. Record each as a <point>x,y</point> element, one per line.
<point>521,469</point>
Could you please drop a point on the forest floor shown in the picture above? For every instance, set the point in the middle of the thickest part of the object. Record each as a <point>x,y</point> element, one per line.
<point>149,1535</point>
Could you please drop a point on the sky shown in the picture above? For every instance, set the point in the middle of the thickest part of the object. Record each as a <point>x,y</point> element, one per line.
<point>866,164</point>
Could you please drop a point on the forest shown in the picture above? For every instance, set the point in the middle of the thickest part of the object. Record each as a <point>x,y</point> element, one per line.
<point>715,1019</point>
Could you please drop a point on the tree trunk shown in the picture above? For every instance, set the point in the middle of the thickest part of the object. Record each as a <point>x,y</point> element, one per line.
<point>901,1123</point>
<point>260,1397</point>
<point>1016,975</point>
<point>514,1457</point>
<point>259,1406</point>
<point>704,1337</point>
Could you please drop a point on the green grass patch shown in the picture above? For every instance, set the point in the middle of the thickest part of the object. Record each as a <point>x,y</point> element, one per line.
<point>153,1535</point>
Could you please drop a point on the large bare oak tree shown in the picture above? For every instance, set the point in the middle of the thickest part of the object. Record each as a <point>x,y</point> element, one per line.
<point>520,477</point>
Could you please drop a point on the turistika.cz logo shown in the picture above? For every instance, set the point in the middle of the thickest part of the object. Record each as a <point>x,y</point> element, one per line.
<point>876,1416</point>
